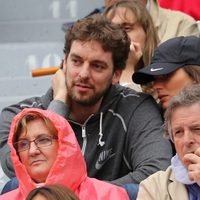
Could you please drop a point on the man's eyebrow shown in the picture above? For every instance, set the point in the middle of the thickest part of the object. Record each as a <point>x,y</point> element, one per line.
<point>100,62</point>
<point>96,61</point>
<point>176,128</point>
<point>75,55</point>
<point>195,124</point>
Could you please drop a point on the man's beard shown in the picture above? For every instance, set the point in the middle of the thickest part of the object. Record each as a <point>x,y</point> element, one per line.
<point>91,100</point>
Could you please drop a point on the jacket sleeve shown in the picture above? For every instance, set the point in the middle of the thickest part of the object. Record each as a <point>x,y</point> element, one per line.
<point>187,26</point>
<point>149,189</point>
<point>6,117</point>
<point>59,107</point>
<point>163,186</point>
<point>146,149</point>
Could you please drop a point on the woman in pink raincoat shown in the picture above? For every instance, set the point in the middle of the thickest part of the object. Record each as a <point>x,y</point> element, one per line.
<point>44,151</point>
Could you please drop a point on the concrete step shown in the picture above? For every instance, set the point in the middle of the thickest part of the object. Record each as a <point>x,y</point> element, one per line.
<point>18,59</point>
<point>31,31</point>
<point>14,90</point>
<point>12,10</point>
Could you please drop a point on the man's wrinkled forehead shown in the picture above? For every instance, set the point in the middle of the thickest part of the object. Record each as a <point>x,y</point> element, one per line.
<point>90,49</point>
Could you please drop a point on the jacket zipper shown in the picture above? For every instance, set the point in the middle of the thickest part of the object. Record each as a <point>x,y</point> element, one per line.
<point>84,140</point>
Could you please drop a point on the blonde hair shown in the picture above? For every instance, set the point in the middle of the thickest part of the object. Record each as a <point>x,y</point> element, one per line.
<point>22,124</point>
<point>193,71</point>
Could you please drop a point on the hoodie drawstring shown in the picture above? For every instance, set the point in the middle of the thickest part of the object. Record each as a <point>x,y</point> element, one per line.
<point>101,143</point>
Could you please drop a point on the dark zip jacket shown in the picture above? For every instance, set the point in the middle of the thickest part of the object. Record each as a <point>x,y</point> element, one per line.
<point>122,143</point>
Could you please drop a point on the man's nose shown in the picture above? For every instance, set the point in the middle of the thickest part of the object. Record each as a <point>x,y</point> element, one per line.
<point>188,137</point>
<point>84,71</point>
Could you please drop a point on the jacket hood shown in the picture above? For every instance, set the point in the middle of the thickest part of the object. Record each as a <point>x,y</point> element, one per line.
<point>69,162</point>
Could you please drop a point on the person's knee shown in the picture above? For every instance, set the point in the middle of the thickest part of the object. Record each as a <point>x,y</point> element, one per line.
<point>132,190</point>
<point>10,185</point>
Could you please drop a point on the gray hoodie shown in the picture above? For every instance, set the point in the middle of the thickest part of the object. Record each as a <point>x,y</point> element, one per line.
<point>122,143</point>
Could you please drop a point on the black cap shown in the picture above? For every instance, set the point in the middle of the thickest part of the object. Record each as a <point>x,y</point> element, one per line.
<point>169,56</point>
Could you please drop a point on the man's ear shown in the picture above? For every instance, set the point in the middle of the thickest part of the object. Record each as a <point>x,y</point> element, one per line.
<point>116,76</point>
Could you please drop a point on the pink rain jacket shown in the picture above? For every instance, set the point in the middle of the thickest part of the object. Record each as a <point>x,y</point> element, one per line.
<point>69,168</point>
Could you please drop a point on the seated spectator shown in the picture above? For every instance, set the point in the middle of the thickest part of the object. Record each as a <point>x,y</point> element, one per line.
<point>189,7</point>
<point>182,179</point>
<point>134,18</point>
<point>52,192</point>
<point>168,23</point>
<point>44,151</point>
<point>175,65</point>
<point>107,118</point>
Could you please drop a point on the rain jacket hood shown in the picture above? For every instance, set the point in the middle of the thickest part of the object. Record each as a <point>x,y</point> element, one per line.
<point>69,168</point>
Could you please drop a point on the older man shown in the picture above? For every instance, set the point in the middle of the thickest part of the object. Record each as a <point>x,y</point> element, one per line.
<point>182,179</point>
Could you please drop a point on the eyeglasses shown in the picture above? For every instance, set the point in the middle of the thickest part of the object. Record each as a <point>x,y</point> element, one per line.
<point>41,141</point>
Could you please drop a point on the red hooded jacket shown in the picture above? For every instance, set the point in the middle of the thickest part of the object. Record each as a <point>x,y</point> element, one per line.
<point>69,168</point>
